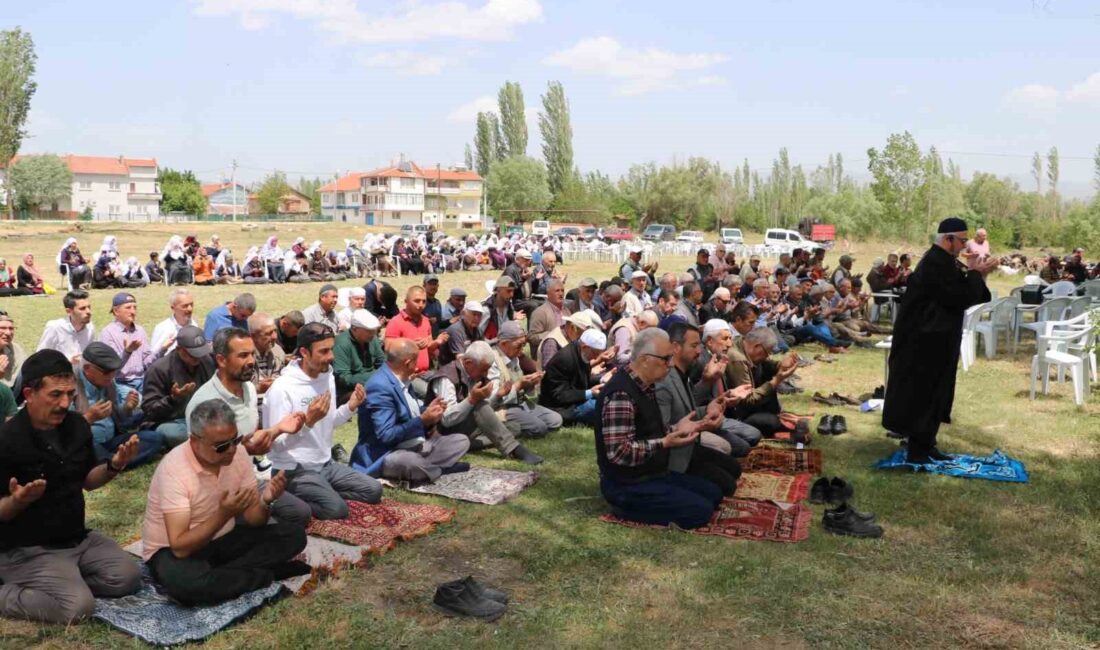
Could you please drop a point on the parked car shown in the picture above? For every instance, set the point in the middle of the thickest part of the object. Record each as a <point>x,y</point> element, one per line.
<point>590,233</point>
<point>659,232</point>
<point>540,228</point>
<point>413,231</point>
<point>732,236</point>
<point>568,231</point>
<point>788,240</point>
<point>618,234</point>
<point>690,236</point>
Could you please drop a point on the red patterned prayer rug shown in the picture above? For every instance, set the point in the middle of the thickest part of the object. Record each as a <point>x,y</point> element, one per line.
<point>773,486</point>
<point>784,461</point>
<point>377,527</point>
<point>747,519</point>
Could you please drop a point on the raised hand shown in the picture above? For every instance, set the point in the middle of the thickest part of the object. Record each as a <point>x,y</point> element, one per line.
<point>357,397</point>
<point>236,502</point>
<point>168,342</point>
<point>434,413</point>
<point>98,411</point>
<point>684,433</point>
<point>132,345</point>
<point>505,388</point>
<point>422,343</point>
<point>132,400</point>
<point>714,368</point>
<point>26,494</point>
<point>531,380</point>
<point>4,363</point>
<point>735,395</point>
<point>275,487</point>
<point>184,390</point>
<point>126,453</point>
<point>479,392</point>
<point>259,443</point>
<point>318,408</point>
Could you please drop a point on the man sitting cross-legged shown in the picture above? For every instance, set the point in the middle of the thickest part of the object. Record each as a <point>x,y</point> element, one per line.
<point>172,379</point>
<point>649,472</point>
<point>51,565</point>
<point>312,474</point>
<point>571,383</point>
<point>749,364</point>
<point>522,416</point>
<point>395,435</point>
<point>206,536</point>
<point>470,402</point>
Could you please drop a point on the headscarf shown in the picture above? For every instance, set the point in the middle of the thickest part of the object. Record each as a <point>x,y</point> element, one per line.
<point>133,266</point>
<point>173,249</point>
<point>110,242</point>
<point>223,255</point>
<point>252,254</point>
<point>30,268</point>
<point>271,251</point>
<point>5,274</point>
<point>68,242</point>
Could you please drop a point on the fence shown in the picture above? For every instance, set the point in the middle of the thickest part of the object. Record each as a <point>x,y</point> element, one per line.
<point>597,251</point>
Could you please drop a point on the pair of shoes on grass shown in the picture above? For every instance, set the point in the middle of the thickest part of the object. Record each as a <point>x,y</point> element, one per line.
<point>843,519</point>
<point>468,597</point>
<point>832,425</point>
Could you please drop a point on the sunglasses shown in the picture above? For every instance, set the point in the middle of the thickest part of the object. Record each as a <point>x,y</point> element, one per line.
<point>667,358</point>
<point>223,447</point>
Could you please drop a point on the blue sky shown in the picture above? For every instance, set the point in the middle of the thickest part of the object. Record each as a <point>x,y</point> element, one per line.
<point>321,86</point>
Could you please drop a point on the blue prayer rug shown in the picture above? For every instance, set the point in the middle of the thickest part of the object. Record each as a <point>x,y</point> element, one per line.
<point>157,620</point>
<point>995,467</point>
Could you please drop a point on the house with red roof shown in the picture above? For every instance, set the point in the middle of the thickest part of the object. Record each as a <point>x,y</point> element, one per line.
<point>226,198</point>
<point>113,188</point>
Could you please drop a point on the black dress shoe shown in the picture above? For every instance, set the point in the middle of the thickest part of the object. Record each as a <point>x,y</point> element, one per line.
<point>457,468</point>
<point>839,425</point>
<point>819,493</point>
<point>842,520</point>
<point>801,433</point>
<point>840,490</point>
<point>485,592</point>
<point>917,458</point>
<point>865,516</point>
<point>339,454</point>
<point>290,569</point>
<point>525,455</point>
<point>936,454</point>
<point>825,425</point>
<point>456,599</point>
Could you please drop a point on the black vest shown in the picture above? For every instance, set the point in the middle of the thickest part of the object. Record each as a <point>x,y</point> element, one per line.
<point>450,373</point>
<point>648,425</point>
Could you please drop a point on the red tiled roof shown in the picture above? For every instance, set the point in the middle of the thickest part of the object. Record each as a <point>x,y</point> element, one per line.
<point>211,188</point>
<point>422,172</point>
<point>349,183</point>
<point>105,165</point>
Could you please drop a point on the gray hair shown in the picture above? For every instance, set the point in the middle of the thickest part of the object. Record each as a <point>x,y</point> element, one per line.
<point>613,291</point>
<point>685,277</point>
<point>401,350</point>
<point>479,352</point>
<point>554,284</point>
<point>295,318</point>
<point>245,301</point>
<point>175,294</point>
<point>669,276</point>
<point>759,282</point>
<point>259,320</point>
<point>646,342</point>
<point>648,316</point>
<point>212,412</point>
<point>762,335</point>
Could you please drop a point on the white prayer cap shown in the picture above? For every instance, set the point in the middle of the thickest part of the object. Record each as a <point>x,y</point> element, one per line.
<point>635,249</point>
<point>639,274</point>
<point>358,292</point>
<point>594,339</point>
<point>597,322</point>
<point>722,293</point>
<point>363,319</point>
<point>524,253</point>
<point>714,327</point>
<point>474,306</point>
<point>581,319</point>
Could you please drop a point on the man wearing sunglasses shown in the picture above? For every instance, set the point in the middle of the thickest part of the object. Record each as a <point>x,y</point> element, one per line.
<point>206,536</point>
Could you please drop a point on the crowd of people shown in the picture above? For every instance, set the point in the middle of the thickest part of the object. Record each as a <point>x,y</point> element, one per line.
<point>678,374</point>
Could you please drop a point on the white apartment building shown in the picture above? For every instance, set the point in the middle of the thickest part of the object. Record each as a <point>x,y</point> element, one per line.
<point>405,194</point>
<point>115,189</point>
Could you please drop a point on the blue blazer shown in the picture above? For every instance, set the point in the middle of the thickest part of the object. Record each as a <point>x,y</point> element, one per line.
<point>384,421</point>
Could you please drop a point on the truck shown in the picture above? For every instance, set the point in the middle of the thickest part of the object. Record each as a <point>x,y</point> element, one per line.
<point>811,228</point>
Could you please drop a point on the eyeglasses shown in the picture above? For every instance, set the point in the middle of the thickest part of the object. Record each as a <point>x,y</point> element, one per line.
<point>222,447</point>
<point>667,358</point>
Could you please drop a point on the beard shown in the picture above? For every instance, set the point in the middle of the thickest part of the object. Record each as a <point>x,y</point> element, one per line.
<point>245,374</point>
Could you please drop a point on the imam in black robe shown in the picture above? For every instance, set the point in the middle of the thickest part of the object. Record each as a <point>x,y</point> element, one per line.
<point>925,350</point>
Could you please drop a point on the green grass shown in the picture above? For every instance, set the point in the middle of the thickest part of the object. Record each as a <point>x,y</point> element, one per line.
<point>962,563</point>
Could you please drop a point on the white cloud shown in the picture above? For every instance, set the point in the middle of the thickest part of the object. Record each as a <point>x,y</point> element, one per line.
<point>638,71</point>
<point>1035,99</point>
<point>406,62</point>
<point>467,113</point>
<point>1086,92</point>
<point>495,20</point>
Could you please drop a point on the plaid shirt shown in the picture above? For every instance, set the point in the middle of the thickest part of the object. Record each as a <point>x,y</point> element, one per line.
<point>618,427</point>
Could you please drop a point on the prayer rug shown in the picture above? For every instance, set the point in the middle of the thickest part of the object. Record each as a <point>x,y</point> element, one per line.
<point>377,527</point>
<point>738,518</point>
<point>772,486</point>
<point>784,461</point>
<point>479,485</point>
<point>995,467</point>
<point>157,620</point>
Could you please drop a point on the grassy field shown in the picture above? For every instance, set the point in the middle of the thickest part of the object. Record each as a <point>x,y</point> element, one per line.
<point>962,564</point>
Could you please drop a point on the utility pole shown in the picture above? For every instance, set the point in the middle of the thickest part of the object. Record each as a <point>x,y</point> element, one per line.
<point>233,181</point>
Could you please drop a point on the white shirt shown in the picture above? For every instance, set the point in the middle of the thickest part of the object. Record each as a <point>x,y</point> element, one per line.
<point>61,336</point>
<point>164,329</point>
<point>292,392</point>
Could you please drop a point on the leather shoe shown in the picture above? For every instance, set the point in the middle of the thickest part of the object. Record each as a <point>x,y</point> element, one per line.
<point>339,454</point>
<point>839,425</point>
<point>485,592</point>
<point>457,599</point>
<point>819,493</point>
<point>917,458</point>
<point>825,425</point>
<point>936,454</point>
<point>525,455</point>
<point>842,520</point>
<point>840,490</point>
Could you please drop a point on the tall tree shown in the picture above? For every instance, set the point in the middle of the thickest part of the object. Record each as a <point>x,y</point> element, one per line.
<point>1096,169</point>
<point>180,192</point>
<point>40,180</point>
<point>518,183</point>
<point>271,193</point>
<point>1037,172</point>
<point>485,141</point>
<point>500,146</point>
<point>839,171</point>
<point>899,173</point>
<point>513,121</point>
<point>469,157</point>
<point>557,137</point>
<point>1052,176</point>
<point>17,87</point>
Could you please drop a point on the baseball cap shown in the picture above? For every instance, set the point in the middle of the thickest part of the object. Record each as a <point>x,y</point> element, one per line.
<point>475,307</point>
<point>363,319</point>
<point>504,281</point>
<point>431,277</point>
<point>192,339</point>
<point>458,292</point>
<point>594,339</point>
<point>122,298</point>
<point>102,356</point>
<point>703,251</point>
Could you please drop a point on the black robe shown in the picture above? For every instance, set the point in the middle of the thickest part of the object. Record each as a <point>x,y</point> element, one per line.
<point>925,350</point>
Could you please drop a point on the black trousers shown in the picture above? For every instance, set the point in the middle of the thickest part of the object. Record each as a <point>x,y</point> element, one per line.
<point>233,564</point>
<point>721,469</point>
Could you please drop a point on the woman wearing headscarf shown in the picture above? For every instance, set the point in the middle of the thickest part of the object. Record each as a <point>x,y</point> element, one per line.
<point>299,246</point>
<point>297,267</point>
<point>254,272</point>
<point>338,265</point>
<point>110,243</point>
<point>28,276</point>
<point>215,248</point>
<point>133,275</point>
<point>318,266</point>
<point>176,265</point>
<point>7,281</point>
<point>204,267</point>
<point>273,255</point>
<point>105,273</point>
<point>80,276</point>
<point>226,269</point>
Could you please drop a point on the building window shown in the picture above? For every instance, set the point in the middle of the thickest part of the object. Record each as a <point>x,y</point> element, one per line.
<point>114,210</point>
<point>408,182</point>
<point>143,209</point>
<point>114,186</point>
<point>85,185</point>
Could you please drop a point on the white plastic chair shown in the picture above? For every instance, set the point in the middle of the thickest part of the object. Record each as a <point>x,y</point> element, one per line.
<point>1052,352</point>
<point>1092,290</point>
<point>967,351</point>
<point>1082,323</point>
<point>1078,306</point>
<point>1001,314</point>
<point>1060,288</point>
<point>1051,310</point>
<point>1033,280</point>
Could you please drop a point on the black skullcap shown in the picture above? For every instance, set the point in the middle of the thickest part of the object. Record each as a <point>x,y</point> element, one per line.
<point>952,224</point>
<point>45,363</point>
<point>325,288</point>
<point>102,356</point>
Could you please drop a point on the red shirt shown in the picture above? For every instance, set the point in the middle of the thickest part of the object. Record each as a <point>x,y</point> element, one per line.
<point>400,327</point>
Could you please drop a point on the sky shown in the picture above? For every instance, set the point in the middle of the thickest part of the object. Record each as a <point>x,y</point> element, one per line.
<point>324,87</point>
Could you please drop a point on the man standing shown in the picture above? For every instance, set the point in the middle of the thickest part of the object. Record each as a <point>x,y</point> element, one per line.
<point>324,310</point>
<point>129,341</point>
<point>234,355</point>
<point>927,335</point>
<point>312,474</point>
<point>234,313</point>
<point>634,263</point>
<point>357,354</point>
<point>182,306</point>
<point>977,250</point>
<point>413,325</point>
<point>70,335</point>
<point>11,355</point>
<point>171,381</point>
<point>51,566</point>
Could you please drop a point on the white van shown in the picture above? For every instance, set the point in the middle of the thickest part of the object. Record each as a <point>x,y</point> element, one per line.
<point>540,228</point>
<point>788,240</point>
<point>732,237</point>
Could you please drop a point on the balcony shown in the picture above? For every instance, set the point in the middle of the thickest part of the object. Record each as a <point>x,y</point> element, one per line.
<point>143,196</point>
